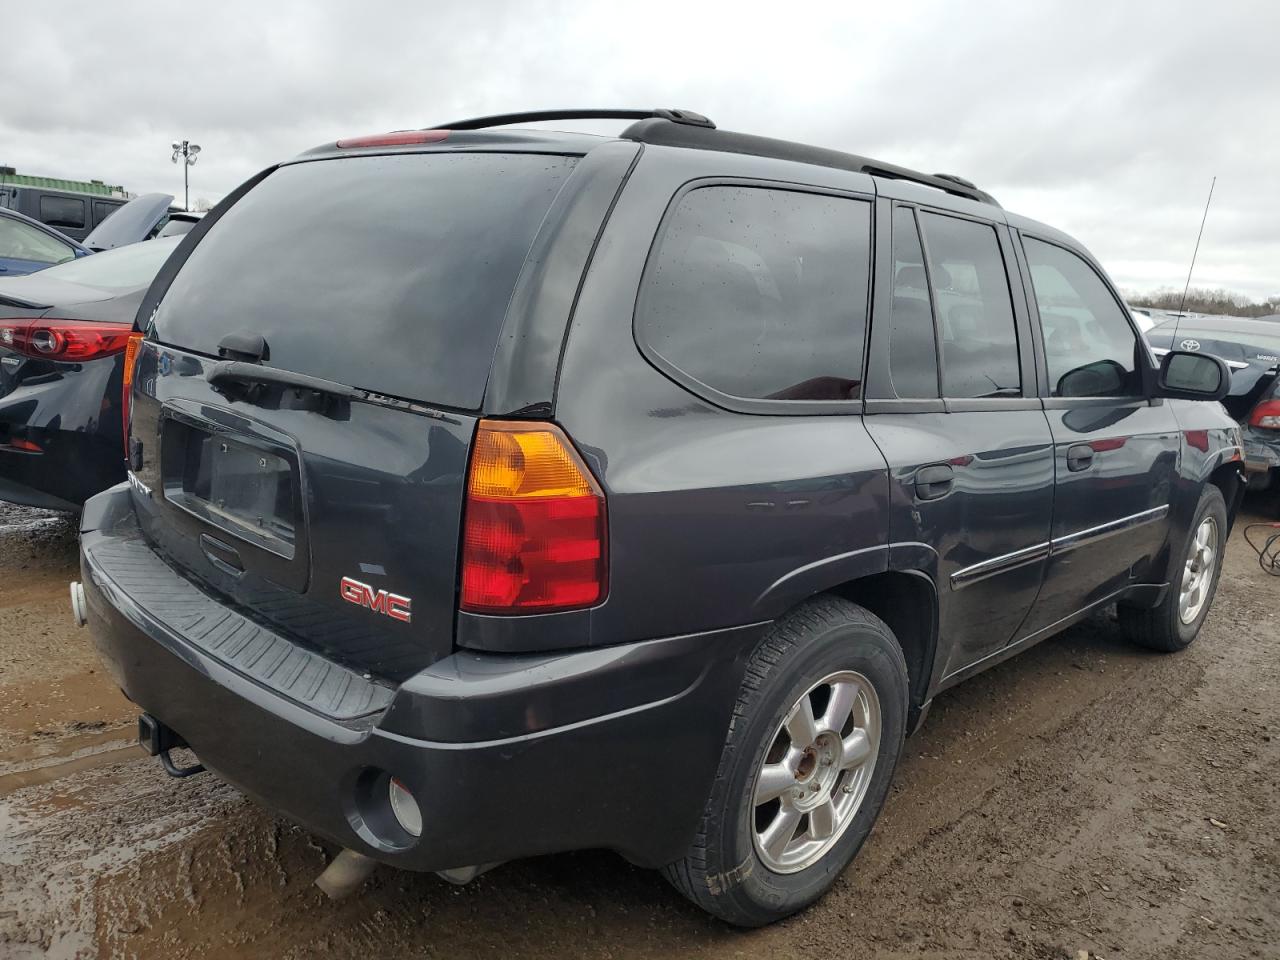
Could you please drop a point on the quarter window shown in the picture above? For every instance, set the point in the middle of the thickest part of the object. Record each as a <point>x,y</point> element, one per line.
<point>975,312</point>
<point>1089,346</point>
<point>761,293</point>
<point>62,212</point>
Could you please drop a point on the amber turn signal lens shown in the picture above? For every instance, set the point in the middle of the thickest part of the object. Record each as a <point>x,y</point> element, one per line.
<point>525,463</point>
<point>131,348</point>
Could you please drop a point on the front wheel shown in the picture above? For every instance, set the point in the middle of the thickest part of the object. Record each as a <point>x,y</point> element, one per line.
<point>816,734</point>
<point>1177,620</point>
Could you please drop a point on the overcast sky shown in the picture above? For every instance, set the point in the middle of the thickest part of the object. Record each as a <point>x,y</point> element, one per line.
<point>1107,120</point>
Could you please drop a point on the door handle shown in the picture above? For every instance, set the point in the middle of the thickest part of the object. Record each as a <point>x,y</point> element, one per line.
<point>1079,457</point>
<point>934,482</point>
<point>221,555</point>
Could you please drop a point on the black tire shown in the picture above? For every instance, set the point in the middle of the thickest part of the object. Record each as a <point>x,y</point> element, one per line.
<point>722,872</point>
<point>1161,627</point>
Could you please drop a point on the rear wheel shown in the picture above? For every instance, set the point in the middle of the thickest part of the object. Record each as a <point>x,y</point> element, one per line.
<point>1177,620</point>
<point>816,734</point>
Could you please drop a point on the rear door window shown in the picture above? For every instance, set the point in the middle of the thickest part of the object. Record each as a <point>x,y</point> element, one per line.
<point>760,293</point>
<point>387,273</point>
<point>913,359</point>
<point>1089,346</point>
<point>62,212</point>
<point>975,311</point>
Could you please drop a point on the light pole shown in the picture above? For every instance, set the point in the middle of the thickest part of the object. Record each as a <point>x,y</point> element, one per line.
<point>185,153</point>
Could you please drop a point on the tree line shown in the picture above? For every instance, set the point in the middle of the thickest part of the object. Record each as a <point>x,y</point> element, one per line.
<point>1200,300</point>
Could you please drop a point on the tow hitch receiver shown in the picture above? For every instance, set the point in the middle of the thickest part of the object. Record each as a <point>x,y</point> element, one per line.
<point>157,739</point>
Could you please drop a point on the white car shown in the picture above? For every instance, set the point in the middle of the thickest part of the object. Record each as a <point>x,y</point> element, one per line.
<point>1142,319</point>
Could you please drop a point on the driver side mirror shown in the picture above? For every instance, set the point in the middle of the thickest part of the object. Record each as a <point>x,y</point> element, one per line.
<point>1192,376</point>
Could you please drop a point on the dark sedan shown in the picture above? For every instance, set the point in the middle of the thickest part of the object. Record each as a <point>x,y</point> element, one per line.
<point>63,336</point>
<point>1251,348</point>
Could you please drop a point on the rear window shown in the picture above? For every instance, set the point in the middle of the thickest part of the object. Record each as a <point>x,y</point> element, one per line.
<point>1242,345</point>
<point>387,273</point>
<point>176,227</point>
<point>22,241</point>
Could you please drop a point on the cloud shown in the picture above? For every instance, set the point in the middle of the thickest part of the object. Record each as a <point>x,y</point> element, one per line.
<point>1107,120</point>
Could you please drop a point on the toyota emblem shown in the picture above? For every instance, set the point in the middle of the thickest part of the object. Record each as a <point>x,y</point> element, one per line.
<point>1190,345</point>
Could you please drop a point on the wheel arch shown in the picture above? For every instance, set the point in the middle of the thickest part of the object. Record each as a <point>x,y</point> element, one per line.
<point>900,591</point>
<point>907,601</point>
<point>1229,479</point>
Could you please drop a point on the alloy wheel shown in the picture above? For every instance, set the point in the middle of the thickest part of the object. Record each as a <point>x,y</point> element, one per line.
<point>816,772</point>
<point>1197,573</point>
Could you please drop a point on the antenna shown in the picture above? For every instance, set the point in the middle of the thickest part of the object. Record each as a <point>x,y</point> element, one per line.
<point>1178,319</point>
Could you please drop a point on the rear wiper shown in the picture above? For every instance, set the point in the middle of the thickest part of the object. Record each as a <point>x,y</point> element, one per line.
<point>226,372</point>
<point>238,371</point>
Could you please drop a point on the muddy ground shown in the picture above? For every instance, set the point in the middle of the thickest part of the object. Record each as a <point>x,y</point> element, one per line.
<point>1085,795</point>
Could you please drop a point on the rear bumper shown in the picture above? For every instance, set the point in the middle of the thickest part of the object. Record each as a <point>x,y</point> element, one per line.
<point>507,756</point>
<point>1261,449</point>
<point>74,418</point>
<point>72,467</point>
<point>13,490</point>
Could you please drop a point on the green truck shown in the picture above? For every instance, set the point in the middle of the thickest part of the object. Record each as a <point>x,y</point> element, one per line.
<point>73,207</point>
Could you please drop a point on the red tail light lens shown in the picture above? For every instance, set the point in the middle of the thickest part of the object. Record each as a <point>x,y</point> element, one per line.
<point>534,528</point>
<point>66,340</point>
<point>130,360</point>
<point>400,138</point>
<point>1266,415</point>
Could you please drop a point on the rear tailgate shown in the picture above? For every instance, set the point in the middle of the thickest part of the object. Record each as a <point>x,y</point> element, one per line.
<point>334,514</point>
<point>273,508</point>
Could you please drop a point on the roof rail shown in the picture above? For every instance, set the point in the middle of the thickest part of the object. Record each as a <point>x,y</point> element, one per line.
<point>659,132</point>
<point>684,128</point>
<point>683,117</point>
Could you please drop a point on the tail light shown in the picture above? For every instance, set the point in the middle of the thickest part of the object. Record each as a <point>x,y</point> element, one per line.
<point>399,138</point>
<point>534,527</point>
<point>66,340</point>
<point>1266,415</point>
<point>130,360</point>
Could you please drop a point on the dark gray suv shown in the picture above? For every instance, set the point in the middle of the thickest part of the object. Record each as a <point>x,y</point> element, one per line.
<point>496,493</point>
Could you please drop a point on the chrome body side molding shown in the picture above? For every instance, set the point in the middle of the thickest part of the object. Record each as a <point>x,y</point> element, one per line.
<point>1058,545</point>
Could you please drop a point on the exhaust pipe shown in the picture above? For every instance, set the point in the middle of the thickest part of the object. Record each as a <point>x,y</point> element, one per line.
<point>459,876</point>
<point>78,608</point>
<point>345,874</point>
